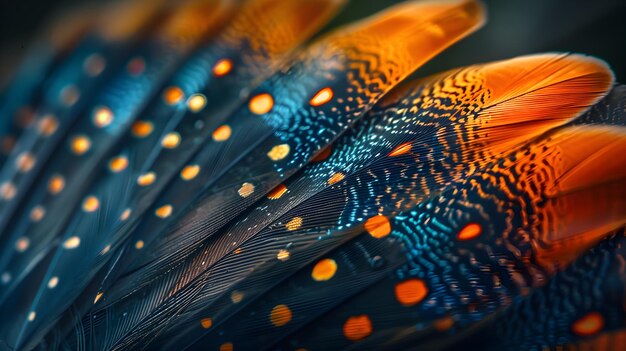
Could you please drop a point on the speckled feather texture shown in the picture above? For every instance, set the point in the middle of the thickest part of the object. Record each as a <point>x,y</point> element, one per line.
<point>202,174</point>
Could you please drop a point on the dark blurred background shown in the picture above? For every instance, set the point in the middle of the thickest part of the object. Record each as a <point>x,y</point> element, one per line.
<point>514,27</point>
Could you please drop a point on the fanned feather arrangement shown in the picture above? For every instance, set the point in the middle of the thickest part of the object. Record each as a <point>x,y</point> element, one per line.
<point>207,174</point>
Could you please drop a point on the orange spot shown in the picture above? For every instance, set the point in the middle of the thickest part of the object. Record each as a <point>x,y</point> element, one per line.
<point>8,143</point>
<point>470,231</point>
<point>8,190</point>
<point>25,162</point>
<point>94,65</point>
<point>22,244</point>
<point>98,297</point>
<point>378,226</point>
<point>127,212</point>
<point>196,102</point>
<point>173,95</point>
<point>277,192</point>
<point>322,155</point>
<point>47,125</point>
<point>323,96</point>
<point>411,292</point>
<point>443,324</point>
<point>139,244</point>
<point>171,140</point>
<point>80,144</point>
<point>246,190</point>
<point>102,117</point>
<point>280,315</point>
<point>279,152</point>
<point>164,211</point>
<point>324,270</point>
<point>56,184</point>
<point>136,66</point>
<point>227,346</point>
<point>91,204</point>
<point>146,179</point>
<point>190,172</point>
<point>222,133</point>
<point>37,213</point>
<point>236,296</point>
<point>118,164</point>
<point>589,324</point>
<point>357,327</point>
<point>261,104</point>
<point>69,95</point>
<point>206,323</point>
<point>142,129</point>
<point>336,178</point>
<point>401,150</point>
<point>222,67</point>
<point>294,223</point>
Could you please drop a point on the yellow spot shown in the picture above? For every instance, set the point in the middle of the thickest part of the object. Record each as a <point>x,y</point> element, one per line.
<point>164,211</point>
<point>589,324</point>
<point>56,184</point>
<point>401,150</point>
<point>80,144</point>
<point>25,162</point>
<point>261,104</point>
<point>246,190</point>
<point>357,327</point>
<point>146,179</point>
<point>378,226</point>
<point>71,243</point>
<point>69,95</point>
<point>118,164</point>
<point>127,212</point>
<point>136,66</point>
<point>322,155</point>
<point>280,315</point>
<point>142,129</point>
<point>98,297</point>
<point>411,292</point>
<point>52,283</point>
<point>190,172</point>
<point>37,213</point>
<point>173,95</point>
<point>323,96</point>
<point>171,140</point>
<point>279,152</point>
<point>31,316</point>
<point>324,270</point>
<point>102,117</point>
<point>8,190</point>
<point>470,231</point>
<point>222,133</point>
<point>294,223</point>
<point>227,346</point>
<point>94,65</point>
<point>196,102</point>
<point>277,192</point>
<point>206,323</point>
<point>22,244</point>
<point>283,255</point>
<point>336,178</point>
<point>222,67</point>
<point>47,125</point>
<point>139,244</point>
<point>236,296</point>
<point>91,204</point>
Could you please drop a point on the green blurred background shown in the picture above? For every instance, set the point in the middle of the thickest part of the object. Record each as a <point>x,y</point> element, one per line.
<point>514,27</point>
